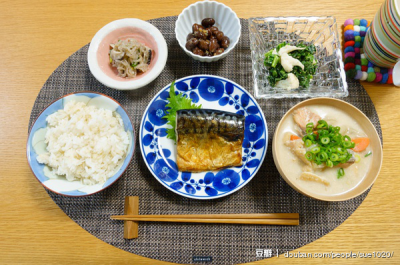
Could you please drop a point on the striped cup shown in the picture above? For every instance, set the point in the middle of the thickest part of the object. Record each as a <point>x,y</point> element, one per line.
<point>382,41</point>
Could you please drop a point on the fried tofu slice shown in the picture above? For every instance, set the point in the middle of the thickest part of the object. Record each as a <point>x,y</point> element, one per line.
<point>308,176</point>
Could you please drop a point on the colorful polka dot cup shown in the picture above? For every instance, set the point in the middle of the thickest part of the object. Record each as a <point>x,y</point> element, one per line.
<point>382,41</point>
<point>356,64</point>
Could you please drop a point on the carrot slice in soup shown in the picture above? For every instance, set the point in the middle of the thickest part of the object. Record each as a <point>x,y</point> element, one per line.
<point>361,144</point>
<point>294,137</point>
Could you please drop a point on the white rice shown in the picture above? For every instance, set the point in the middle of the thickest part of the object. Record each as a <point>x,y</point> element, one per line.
<point>85,143</point>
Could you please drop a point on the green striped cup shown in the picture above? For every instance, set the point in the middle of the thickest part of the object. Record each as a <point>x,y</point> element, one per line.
<point>382,41</point>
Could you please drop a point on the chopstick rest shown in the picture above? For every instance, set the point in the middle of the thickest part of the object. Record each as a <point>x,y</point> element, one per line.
<point>132,217</point>
<point>131,228</point>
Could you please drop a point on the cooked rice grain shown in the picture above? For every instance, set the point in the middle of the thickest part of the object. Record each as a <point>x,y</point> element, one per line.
<point>85,143</point>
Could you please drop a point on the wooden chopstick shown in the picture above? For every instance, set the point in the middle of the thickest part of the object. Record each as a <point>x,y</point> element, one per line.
<point>214,216</point>
<point>262,219</point>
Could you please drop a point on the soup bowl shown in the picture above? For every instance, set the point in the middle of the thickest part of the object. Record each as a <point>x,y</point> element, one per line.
<point>283,162</point>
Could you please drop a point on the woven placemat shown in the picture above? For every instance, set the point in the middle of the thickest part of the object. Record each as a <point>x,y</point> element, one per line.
<point>267,192</point>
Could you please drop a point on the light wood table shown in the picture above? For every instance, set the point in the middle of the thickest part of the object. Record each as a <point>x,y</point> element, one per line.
<point>37,36</point>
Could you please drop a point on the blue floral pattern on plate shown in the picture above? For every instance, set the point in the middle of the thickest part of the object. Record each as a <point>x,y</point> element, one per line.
<point>159,152</point>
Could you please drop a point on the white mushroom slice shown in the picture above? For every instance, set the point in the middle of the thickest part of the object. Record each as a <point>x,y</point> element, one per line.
<point>288,48</point>
<point>291,82</point>
<point>312,177</point>
<point>288,62</point>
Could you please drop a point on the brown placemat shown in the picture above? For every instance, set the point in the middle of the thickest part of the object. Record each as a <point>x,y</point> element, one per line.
<point>267,192</point>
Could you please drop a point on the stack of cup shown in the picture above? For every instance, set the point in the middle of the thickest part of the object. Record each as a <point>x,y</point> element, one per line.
<point>382,41</point>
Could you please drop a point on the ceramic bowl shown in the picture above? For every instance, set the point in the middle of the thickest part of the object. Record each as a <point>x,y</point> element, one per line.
<point>367,127</point>
<point>142,31</point>
<point>225,19</point>
<point>36,145</point>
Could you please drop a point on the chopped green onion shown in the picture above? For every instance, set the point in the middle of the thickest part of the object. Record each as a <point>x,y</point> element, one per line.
<point>323,133</point>
<point>315,150</point>
<point>338,139</point>
<point>341,150</point>
<point>346,138</point>
<point>340,173</point>
<point>327,145</point>
<point>309,156</point>
<point>342,157</point>
<point>334,157</point>
<point>325,140</point>
<point>322,124</point>
<point>134,65</point>
<point>358,158</point>
<point>347,144</point>
<point>309,136</point>
<point>322,156</point>
<point>369,153</point>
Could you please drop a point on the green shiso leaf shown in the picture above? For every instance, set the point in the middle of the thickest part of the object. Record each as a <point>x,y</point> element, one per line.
<point>176,102</point>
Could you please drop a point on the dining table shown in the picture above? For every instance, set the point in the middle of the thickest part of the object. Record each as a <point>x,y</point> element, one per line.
<point>37,36</point>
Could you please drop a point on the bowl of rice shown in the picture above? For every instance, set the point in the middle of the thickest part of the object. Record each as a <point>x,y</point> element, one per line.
<point>127,54</point>
<point>80,144</point>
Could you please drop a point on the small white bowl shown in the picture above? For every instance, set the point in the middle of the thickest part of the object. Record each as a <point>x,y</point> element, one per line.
<point>225,19</point>
<point>144,32</point>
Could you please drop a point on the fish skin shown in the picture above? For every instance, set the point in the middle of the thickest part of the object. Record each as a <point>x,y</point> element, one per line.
<point>204,121</point>
<point>208,140</point>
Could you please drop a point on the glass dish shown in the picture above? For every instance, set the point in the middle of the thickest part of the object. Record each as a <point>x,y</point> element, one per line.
<point>266,33</point>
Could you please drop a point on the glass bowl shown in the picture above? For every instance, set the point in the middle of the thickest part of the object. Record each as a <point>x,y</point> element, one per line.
<point>267,33</point>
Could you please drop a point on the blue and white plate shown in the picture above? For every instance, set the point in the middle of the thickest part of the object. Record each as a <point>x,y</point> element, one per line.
<point>159,152</point>
<point>36,146</point>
